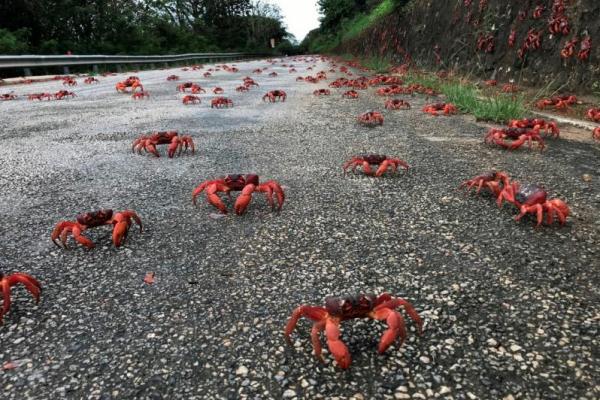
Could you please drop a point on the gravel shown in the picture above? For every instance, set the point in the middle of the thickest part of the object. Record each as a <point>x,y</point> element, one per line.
<point>510,311</point>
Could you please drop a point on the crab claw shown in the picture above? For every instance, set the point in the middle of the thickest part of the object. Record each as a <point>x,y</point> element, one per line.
<point>122,222</point>
<point>338,349</point>
<point>6,282</point>
<point>64,228</point>
<point>244,199</point>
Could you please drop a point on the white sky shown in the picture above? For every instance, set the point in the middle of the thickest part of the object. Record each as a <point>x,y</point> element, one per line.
<point>300,16</point>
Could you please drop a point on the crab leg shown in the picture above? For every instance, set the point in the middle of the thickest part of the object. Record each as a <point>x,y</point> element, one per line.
<point>410,310</point>
<point>5,288</point>
<point>30,283</point>
<point>313,313</point>
<point>151,148</point>
<point>396,327</point>
<point>536,208</point>
<point>317,328</point>
<point>269,188</point>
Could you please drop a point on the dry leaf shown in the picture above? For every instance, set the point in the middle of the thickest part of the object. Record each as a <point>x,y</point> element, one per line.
<point>9,365</point>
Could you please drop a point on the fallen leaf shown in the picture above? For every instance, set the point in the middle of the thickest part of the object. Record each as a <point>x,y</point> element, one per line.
<point>9,365</point>
<point>149,279</point>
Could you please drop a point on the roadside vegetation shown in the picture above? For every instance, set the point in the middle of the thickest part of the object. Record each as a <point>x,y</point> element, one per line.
<point>345,19</point>
<point>468,98</point>
<point>140,26</point>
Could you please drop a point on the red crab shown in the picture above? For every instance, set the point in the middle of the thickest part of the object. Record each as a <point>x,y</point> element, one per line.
<point>558,102</point>
<point>247,184</point>
<point>172,138</point>
<point>322,92</point>
<point>569,48</point>
<point>197,89</point>
<point>532,199</point>
<point>187,85</point>
<point>397,104</point>
<point>292,70</point>
<point>273,74</point>
<point>491,82</point>
<point>512,38</point>
<point>132,82</point>
<point>382,161</point>
<point>492,180</point>
<point>486,43</point>
<point>510,88</point>
<point>191,99</point>
<point>7,96</point>
<point>257,71</point>
<point>250,82</point>
<point>207,74</point>
<point>275,95</point>
<point>121,221</point>
<point>516,136</point>
<point>242,89</point>
<point>338,309</point>
<point>586,48</point>
<point>218,90</point>
<point>594,114</point>
<point>559,24</point>
<point>300,79</point>
<point>371,118</point>
<point>172,78</point>
<point>89,80</point>
<point>221,102</point>
<point>8,281</point>
<point>140,95</point>
<point>533,41</point>
<point>536,124</point>
<point>596,133</point>
<point>445,108</point>
<point>350,94</point>
<point>68,81</point>
<point>61,94</point>
<point>538,11</point>
<point>40,96</point>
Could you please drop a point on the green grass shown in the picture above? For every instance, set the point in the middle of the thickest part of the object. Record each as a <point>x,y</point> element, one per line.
<point>468,98</point>
<point>377,65</point>
<point>352,28</point>
<point>364,21</point>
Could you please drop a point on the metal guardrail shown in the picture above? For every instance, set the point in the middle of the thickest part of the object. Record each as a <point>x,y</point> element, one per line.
<point>31,61</point>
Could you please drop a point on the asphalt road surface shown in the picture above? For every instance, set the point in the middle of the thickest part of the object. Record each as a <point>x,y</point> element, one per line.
<point>510,311</point>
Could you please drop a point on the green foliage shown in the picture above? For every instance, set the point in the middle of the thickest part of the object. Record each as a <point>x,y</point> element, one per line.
<point>13,42</point>
<point>345,19</point>
<point>137,26</point>
<point>362,21</point>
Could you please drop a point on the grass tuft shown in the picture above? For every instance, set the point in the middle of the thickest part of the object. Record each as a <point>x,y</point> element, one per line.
<point>468,98</point>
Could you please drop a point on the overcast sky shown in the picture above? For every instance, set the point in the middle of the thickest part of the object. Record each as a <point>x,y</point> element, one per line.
<point>301,16</point>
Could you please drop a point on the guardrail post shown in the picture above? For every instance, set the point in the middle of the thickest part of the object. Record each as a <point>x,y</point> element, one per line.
<point>95,69</point>
<point>66,70</point>
<point>119,69</point>
<point>27,71</point>
<point>152,66</point>
<point>166,65</point>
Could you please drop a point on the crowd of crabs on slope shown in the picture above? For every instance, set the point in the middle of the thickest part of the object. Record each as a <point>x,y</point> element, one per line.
<point>527,198</point>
